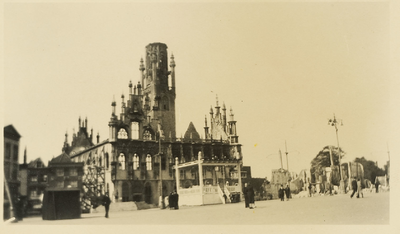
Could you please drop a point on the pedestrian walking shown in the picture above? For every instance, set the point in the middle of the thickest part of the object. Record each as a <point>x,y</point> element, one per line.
<point>246,196</point>
<point>353,186</point>
<point>310,189</point>
<point>250,194</point>
<point>359,189</point>
<point>377,185</point>
<point>106,203</point>
<point>281,193</point>
<point>287,192</point>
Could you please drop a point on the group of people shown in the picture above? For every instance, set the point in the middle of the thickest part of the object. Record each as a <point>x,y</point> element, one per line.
<point>248,192</point>
<point>357,188</point>
<point>172,201</point>
<point>282,191</point>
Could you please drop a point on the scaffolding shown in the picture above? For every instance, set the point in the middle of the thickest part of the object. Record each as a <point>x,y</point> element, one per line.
<point>93,183</point>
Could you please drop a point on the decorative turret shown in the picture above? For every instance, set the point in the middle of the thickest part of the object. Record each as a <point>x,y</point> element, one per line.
<point>205,127</point>
<point>141,69</point>
<point>139,87</point>
<point>65,147</point>
<point>232,129</point>
<point>113,124</point>
<point>98,138</point>
<point>25,156</point>
<point>130,87</point>
<point>224,116</point>
<point>172,66</point>
<point>217,113</point>
<point>113,104</point>
<point>122,115</point>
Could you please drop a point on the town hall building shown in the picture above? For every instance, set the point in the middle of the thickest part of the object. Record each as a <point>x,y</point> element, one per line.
<point>143,159</point>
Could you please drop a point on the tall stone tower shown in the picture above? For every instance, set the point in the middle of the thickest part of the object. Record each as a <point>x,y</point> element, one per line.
<point>159,87</point>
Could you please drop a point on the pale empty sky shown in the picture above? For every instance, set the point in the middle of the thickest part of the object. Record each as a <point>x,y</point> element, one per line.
<point>284,68</point>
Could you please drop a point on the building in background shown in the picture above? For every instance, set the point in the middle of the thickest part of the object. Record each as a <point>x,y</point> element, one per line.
<point>11,165</point>
<point>63,194</point>
<point>136,162</point>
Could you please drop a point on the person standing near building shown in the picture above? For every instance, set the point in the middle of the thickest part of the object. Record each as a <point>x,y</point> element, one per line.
<point>377,185</point>
<point>250,194</point>
<point>353,186</point>
<point>287,192</point>
<point>359,189</point>
<point>246,196</point>
<point>281,193</point>
<point>106,204</point>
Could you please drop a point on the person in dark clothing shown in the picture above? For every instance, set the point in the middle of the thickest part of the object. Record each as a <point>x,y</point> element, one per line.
<point>173,200</point>
<point>377,185</point>
<point>250,195</point>
<point>106,204</point>
<point>354,187</point>
<point>287,192</point>
<point>19,209</point>
<point>246,196</point>
<point>281,193</point>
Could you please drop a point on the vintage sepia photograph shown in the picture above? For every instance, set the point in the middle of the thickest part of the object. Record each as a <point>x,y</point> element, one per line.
<point>200,116</point>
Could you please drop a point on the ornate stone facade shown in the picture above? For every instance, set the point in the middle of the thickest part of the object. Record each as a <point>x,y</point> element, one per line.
<point>142,147</point>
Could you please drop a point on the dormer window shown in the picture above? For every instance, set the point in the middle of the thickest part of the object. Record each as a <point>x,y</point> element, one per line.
<point>146,135</point>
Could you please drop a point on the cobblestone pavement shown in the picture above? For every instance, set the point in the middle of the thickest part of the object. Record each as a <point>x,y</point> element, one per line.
<point>337,210</point>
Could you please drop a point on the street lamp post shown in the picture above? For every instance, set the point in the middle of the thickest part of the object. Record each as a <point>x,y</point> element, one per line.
<point>334,122</point>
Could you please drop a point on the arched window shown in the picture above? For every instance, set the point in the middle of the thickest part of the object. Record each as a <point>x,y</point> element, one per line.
<point>121,161</point>
<point>135,162</point>
<point>148,162</point>
<point>122,134</point>
<point>135,130</point>
<point>147,135</point>
<point>107,162</point>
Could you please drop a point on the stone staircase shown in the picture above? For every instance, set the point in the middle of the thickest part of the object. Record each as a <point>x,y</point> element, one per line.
<point>124,206</point>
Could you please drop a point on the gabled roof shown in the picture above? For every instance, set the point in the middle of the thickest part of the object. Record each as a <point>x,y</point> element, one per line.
<point>34,163</point>
<point>191,133</point>
<point>11,132</point>
<point>63,158</point>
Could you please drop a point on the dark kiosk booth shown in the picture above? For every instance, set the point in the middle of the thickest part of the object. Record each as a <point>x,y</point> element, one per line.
<point>61,204</point>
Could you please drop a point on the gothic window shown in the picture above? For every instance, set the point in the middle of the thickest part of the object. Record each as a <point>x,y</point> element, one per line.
<point>101,160</point>
<point>135,162</point>
<point>146,135</point>
<point>33,193</point>
<point>107,161</point>
<point>34,178</point>
<point>148,162</point>
<point>135,130</point>
<point>121,161</point>
<point>122,134</point>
